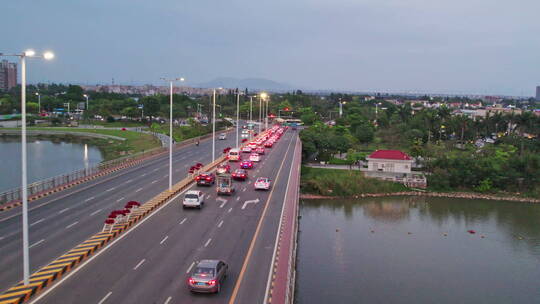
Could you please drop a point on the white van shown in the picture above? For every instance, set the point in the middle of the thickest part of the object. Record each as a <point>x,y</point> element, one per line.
<point>245,133</point>
<point>234,155</point>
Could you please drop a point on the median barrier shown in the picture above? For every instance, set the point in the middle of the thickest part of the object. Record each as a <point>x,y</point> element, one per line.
<point>46,275</point>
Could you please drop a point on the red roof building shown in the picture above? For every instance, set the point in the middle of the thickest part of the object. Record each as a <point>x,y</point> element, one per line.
<point>393,161</point>
<point>390,154</point>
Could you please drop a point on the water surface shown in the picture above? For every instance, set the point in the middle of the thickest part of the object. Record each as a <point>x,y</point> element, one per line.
<point>418,250</point>
<point>46,158</point>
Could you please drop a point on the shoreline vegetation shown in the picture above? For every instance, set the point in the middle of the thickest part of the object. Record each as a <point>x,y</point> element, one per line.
<point>317,183</point>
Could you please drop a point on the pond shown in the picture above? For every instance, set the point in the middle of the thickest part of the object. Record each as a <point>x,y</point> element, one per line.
<point>418,250</point>
<point>46,158</point>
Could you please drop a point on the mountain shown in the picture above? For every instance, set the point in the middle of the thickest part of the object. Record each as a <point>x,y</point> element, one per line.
<point>250,83</point>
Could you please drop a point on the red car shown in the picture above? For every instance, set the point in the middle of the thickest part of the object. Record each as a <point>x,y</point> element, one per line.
<point>223,169</point>
<point>246,164</point>
<point>268,144</point>
<point>240,174</point>
<point>260,150</point>
<point>206,179</point>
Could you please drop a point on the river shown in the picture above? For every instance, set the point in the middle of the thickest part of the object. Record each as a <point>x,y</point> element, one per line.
<point>46,158</point>
<point>418,250</point>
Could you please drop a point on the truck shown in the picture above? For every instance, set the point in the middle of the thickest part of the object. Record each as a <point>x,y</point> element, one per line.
<point>225,185</point>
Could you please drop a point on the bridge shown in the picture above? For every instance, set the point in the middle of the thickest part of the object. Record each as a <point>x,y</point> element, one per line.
<point>148,259</point>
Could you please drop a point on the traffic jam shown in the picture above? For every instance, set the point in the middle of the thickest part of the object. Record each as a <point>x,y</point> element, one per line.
<point>207,275</point>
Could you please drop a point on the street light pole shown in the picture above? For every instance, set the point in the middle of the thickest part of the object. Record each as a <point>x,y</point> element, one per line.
<point>260,113</point>
<point>214,127</point>
<point>86,96</point>
<point>24,183</point>
<point>39,102</point>
<point>250,109</point>
<point>170,126</point>
<point>237,118</point>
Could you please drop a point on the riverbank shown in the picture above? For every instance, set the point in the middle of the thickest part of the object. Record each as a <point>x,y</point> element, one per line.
<point>134,142</point>
<point>317,183</point>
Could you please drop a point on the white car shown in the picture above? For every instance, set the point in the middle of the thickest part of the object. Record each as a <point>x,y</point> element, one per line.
<point>222,136</point>
<point>254,157</point>
<point>262,183</point>
<point>193,199</point>
<point>246,149</point>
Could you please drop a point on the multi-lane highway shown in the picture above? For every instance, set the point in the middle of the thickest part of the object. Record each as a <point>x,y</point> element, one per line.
<point>61,221</point>
<point>150,263</point>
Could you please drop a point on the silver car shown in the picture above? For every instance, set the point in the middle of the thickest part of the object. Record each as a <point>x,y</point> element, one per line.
<point>207,276</point>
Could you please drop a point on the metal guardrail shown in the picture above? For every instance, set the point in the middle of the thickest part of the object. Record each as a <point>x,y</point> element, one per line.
<point>34,188</point>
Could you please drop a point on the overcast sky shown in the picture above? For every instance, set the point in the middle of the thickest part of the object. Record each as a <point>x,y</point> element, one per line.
<point>458,46</point>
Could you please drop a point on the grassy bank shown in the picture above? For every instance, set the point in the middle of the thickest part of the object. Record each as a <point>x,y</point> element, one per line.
<point>335,182</point>
<point>135,142</point>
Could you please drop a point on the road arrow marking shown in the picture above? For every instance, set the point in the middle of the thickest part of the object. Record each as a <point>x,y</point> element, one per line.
<point>224,201</point>
<point>249,202</point>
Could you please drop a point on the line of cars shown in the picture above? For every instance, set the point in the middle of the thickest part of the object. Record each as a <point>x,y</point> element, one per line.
<point>208,275</point>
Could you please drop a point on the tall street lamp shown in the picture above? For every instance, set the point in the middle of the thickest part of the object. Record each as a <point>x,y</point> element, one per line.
<point>264,97</point>
<point>39,102</point>
<point>341,103</point>
<point>86,96</point>
<point>170,126</point>
<point>260,114</point>
<point>237,118</point>
<point>22,57</point>
<point>214,126</point>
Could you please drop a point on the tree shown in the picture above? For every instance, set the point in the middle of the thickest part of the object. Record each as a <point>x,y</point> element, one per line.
<point>364,133</point>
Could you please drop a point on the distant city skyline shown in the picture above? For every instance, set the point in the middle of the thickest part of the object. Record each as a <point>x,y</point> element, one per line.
<point>455,47</point>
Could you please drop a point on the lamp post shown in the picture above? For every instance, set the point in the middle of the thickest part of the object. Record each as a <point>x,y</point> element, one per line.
<point>264,97</point>
<point>170,126</point>
<point>260,114</point>
<point>214,126</point>
<point>237,118</point>
<point>341,103</point>
<point>39,102</point>
<point>86,96</point>
<point>22,57</point>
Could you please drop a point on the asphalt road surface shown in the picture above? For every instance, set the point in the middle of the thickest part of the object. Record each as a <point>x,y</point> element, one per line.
<point>62,220</point>
<point>151,262</point>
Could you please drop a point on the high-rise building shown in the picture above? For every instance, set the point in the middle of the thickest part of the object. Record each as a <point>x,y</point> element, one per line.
<point>538,93</point>
<point>8,75</point>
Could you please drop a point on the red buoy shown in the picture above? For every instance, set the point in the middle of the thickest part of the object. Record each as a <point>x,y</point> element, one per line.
<point>471,231</point>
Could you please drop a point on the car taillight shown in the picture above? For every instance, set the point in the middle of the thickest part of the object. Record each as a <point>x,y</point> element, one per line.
<point>208,179</point>
<point>198,178</point>
<point>192,281</point>
<point>211,282</point>
<point>243,175</point>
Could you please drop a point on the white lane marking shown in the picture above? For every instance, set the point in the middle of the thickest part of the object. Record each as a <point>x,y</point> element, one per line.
<point>153,182</point>
<point>37,243</point>
<point>128,181</point>
<point>104,249</point>
<point>1,238</point>
<point>37,222</point>
<point>168,300</point>
<point>63,210</point>
<point>155,169</point>
<point>185,219</point>
<point>164,239</point>
<point>238,198</point>
<point>166,175</point>
<point>138,190</point>
<point>207,242</point>
<point>105,298</point>
<point>244,190</point>
<point>93,213</point>
<point>110,189</point>
<point>120,199</point>
<point>207,196</point>
<point>249,202</point>
<point>222,204</point>
<point>144,174</point>
<point>89,199</point>
<point>220,223</point>
<point>190,266</point>
<point>230,209</point>
<point>71,225</point>
<point>140,263</point>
